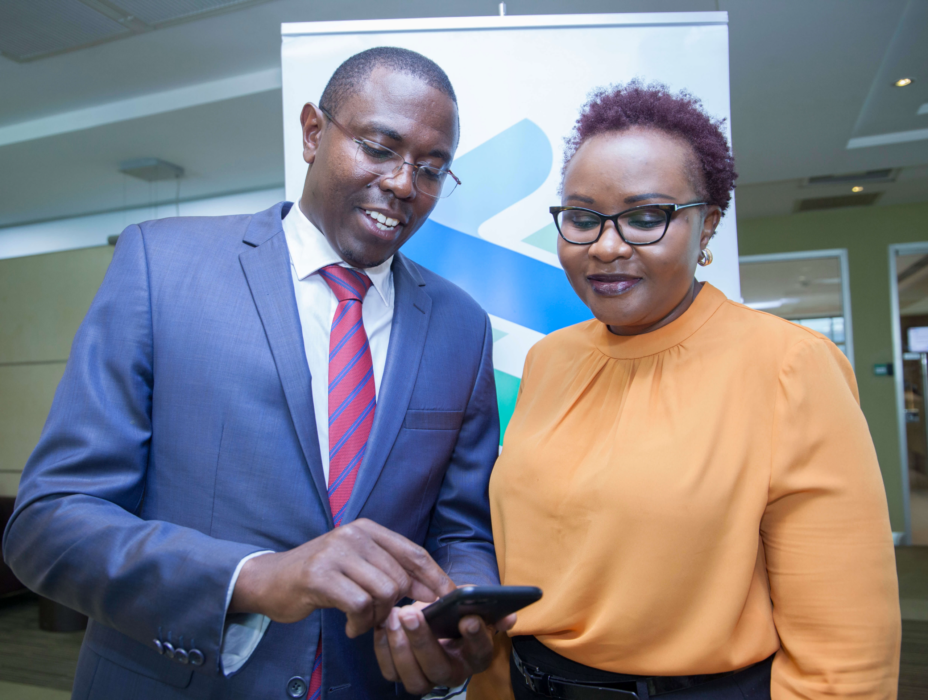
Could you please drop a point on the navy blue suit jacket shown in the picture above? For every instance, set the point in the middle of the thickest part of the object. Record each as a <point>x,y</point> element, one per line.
<point>182,438</point>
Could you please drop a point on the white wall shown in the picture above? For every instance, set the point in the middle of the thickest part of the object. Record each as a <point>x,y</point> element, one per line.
<point>94,229</point>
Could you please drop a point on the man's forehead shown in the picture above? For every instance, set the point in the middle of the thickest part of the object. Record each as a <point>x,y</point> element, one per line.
<point>400,106</point>
<point>393,80</point>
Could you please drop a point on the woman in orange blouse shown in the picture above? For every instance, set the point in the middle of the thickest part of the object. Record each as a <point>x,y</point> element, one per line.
<point>691,482</point>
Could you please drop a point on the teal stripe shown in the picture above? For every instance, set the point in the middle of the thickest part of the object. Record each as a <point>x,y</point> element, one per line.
<point>507,391</point>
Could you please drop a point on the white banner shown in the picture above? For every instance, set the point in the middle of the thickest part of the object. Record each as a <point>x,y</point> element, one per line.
<point>520,83</point>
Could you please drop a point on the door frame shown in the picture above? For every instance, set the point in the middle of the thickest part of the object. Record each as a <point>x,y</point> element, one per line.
<point>841,254</point>
<point>895,250</point>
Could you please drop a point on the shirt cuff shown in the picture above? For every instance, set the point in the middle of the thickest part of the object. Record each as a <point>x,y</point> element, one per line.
<point>242,631</point>
<point>447,693</point>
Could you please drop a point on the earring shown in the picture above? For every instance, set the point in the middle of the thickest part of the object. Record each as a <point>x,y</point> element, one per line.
<point>705,257</point>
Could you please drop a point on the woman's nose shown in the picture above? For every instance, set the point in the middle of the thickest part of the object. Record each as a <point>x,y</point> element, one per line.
<point>610,246</point>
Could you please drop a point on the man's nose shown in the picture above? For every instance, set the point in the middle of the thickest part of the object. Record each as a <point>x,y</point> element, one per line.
<point>402,182</point>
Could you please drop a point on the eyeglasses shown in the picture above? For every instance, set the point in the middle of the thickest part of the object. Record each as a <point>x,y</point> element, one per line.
<point>377,159</point>
<point>643,225</point>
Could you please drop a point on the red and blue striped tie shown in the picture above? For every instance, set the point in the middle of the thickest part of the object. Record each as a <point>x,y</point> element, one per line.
<point>352,401</point>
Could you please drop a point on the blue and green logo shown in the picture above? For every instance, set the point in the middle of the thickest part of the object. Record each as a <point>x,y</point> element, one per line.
<point>525,297</point>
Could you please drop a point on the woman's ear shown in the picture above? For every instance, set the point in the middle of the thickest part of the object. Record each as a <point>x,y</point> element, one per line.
<point>311,120</point>
<point>709,223</point>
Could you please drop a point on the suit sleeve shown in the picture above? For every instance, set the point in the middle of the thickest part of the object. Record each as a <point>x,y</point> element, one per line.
<point>827,538</point>
<point>74,536</point>
<point>460,538</point>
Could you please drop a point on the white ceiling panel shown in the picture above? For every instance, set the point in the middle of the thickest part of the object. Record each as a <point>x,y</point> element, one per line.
<point>155,12</point>
<point>31,28</point>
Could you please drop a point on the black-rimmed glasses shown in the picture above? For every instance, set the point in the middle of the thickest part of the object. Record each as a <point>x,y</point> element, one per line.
<point>377,159</point>
<point>641,225</point>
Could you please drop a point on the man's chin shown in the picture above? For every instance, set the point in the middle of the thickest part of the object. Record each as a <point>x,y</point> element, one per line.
<point>363,260</point>
<point>373,251</point>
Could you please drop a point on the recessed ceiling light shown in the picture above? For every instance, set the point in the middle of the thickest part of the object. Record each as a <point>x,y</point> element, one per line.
<point>857,188</point>
<point>151,169</point>
<point>903,82</point>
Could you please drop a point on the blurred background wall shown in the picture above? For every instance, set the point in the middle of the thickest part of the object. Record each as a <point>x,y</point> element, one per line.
<point>43,299</point>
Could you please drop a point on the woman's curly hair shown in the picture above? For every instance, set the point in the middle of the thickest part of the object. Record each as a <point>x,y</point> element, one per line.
<point>653,106</point>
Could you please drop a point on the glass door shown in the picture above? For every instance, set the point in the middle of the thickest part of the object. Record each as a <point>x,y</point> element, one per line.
<point>809,288</point>
<point>909,276</point>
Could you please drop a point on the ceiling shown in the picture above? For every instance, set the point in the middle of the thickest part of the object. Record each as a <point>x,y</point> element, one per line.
<point>807,78</point>
<point>34,29</point>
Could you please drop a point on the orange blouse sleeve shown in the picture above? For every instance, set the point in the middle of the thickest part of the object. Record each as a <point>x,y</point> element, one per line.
<point>827,538</point>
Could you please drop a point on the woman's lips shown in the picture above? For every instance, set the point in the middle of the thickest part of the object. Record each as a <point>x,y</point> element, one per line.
<point>612,285</point>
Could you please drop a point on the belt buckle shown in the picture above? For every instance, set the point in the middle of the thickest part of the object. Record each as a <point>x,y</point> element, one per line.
<point>537,681</point>
<point>527,677</point>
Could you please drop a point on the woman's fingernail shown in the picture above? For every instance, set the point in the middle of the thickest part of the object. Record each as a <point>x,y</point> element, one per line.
<point>411,622</point>
<point>472,626</point>
<point>393,622</point>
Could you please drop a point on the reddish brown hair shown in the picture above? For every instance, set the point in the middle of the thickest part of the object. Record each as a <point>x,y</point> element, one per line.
<point>681,115</point>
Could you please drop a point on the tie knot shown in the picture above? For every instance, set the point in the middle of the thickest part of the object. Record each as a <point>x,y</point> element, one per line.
<point>346,283</point>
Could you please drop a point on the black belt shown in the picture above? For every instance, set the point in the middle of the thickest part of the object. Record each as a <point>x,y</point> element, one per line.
<point>550,686</point>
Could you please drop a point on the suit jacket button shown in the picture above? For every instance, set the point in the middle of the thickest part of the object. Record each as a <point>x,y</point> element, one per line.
<point>181,656</point>
<point>296,687</point>
<point>196,657</point>
<point>168,649</point>
<point>158,645</point>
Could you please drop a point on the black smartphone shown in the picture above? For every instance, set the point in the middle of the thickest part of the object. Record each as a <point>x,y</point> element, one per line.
<point>492,603</point>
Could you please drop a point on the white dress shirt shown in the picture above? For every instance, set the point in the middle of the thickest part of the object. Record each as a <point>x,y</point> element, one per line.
<point>316,304</point>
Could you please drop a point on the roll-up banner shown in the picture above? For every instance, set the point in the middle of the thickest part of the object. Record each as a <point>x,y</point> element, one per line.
<point>520,83</point>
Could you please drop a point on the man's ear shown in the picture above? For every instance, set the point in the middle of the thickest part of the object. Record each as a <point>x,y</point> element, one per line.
<point>709,224</point>
<point>311,120</point>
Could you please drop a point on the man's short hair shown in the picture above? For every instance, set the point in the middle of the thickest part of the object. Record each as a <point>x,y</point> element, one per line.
<point>350,75</point>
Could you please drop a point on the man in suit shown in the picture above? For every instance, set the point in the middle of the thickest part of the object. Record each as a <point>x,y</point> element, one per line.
<point>272,428</point>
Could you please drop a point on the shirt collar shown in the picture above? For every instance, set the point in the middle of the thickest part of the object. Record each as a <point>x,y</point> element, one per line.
<point>310,251</point>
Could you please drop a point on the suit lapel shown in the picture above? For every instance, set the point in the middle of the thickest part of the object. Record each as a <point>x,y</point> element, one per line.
<point>411,311</point>
<point>267,270</point>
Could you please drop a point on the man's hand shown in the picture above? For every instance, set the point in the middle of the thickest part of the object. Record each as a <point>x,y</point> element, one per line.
<point>362,569</point>
<point>408,652</point>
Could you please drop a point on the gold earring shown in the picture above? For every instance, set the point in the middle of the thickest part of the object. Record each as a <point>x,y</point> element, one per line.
<point>705,257</point>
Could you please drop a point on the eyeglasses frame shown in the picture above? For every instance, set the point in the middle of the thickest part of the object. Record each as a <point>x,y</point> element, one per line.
<point>668,209</point>
<point>415,167</point>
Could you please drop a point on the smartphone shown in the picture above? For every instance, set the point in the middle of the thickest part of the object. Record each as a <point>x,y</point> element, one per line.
<point>492,603</point>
